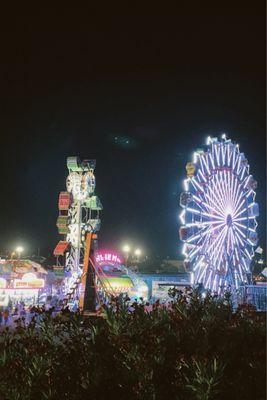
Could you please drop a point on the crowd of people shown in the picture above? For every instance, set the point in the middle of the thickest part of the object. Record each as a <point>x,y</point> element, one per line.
<point>4,316</point>
<point>10,312</point>
<point>19,311</point>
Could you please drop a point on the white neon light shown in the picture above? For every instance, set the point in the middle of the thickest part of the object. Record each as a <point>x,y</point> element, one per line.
<point>195,156</point>
<point>208,140</point>
<point>182,217</point>
<point>184,250</point>
<point>212,161</point>
<point>219,190</point>
<point>249,256</point>
<point>206,164</point>
<point>223,154</point>
<point>186,186</point>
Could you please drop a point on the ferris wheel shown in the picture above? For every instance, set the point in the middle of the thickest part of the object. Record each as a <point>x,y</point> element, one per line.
<point>219,216</point>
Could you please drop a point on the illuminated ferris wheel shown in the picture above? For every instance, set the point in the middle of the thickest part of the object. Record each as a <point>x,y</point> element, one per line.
<point>219,216</point>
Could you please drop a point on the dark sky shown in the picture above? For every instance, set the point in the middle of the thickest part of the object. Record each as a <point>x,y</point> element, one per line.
<point>162,80</point>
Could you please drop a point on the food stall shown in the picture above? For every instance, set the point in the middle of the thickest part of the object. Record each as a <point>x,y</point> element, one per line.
<point>21,281</point>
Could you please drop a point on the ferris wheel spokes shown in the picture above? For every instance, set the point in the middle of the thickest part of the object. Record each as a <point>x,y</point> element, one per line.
<point>219,216</point>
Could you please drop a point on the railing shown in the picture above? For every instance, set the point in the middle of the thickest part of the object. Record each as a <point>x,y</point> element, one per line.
<point>254,294</point>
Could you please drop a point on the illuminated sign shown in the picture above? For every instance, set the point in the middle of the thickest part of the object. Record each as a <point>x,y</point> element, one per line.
<point>29,276</point>
<point>29,281</point>
<point>107,256</point>
<point>33,284</point>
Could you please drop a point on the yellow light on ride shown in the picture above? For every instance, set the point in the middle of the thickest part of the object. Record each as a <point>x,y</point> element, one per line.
<point>190,169</point>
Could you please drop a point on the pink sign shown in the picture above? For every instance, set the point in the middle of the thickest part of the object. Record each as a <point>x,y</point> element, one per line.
<point>107,257</point>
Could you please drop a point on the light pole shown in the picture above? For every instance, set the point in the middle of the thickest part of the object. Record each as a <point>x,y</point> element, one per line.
<point>19,250</point>
<point>126,249</point>
<point>137,253</point>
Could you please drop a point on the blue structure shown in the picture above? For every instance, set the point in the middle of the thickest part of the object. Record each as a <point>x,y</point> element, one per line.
<point>255,295</point>
<point>182,279</point>
<point>251,294</point>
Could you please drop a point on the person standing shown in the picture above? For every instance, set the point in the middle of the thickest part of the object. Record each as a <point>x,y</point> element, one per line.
<point>6,316</point>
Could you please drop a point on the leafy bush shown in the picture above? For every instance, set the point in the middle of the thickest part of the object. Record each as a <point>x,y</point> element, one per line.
<point>196,348</point>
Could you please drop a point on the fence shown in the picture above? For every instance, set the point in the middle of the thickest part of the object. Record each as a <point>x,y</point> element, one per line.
<point>252,294</point>
<point>256,295</point>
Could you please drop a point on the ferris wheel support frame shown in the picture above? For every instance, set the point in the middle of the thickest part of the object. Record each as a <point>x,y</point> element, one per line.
<point>87,300</point>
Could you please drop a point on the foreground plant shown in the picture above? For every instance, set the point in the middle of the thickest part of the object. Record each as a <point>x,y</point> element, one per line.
<point>196,348</point>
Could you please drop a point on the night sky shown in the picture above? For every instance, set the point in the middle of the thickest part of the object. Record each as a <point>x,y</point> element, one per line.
<point>137,90</point>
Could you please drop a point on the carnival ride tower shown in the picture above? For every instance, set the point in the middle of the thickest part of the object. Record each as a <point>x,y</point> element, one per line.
<point>78,222</point>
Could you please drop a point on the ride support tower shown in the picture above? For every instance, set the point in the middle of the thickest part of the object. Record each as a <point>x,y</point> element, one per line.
<point>78,222</point>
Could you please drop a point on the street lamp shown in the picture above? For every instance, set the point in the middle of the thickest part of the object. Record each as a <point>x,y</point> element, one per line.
<point>126,249</point>
<point>19,250</point>
<point>137,253</point>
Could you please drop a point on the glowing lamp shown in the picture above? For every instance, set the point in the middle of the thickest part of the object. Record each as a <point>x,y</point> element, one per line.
<point>126,248</point>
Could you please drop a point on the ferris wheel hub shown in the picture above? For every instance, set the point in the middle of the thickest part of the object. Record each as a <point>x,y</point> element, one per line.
<point>229,220</point>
